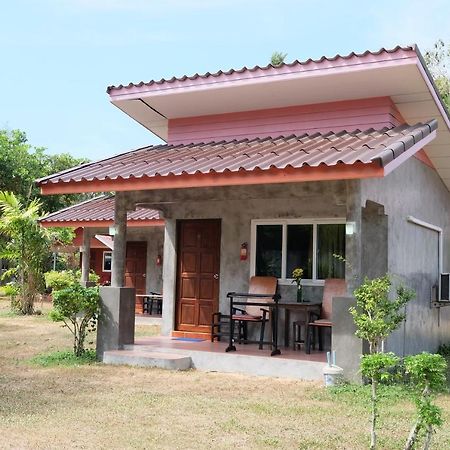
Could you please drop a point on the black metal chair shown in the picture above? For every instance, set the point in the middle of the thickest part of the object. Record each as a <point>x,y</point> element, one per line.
<point>147,305</point>
<point>251,314</point>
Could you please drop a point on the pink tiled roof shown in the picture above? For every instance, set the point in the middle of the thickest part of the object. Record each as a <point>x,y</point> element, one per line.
<point>280,67</point>
<point>97,209</point>
<point>328,149</point>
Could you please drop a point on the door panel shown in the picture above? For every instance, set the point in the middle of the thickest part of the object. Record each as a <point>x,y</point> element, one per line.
<point>135,270</point>
<point>198,262</point>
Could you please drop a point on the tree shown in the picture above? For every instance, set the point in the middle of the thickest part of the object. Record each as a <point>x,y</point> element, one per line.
<point>438,60</point>
<point>26,247</point>
<point>376,317</point>
<point>277,58</point>
<point>427,374</point>
<point>22,164</point>
<point>77,307</point>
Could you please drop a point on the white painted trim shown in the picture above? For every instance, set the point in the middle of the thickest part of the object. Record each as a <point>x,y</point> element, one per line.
<point>103,261</point>
<point>439,230</point>
<point>284,281</point>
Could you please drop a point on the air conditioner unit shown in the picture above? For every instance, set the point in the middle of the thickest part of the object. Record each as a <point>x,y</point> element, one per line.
<point>445,287</point>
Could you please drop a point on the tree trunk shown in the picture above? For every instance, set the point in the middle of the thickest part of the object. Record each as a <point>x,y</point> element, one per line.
<point>428,436</point>
<point>373,434</point>
<point>412,438</point>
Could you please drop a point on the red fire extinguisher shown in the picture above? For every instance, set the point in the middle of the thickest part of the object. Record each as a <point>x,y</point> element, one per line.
<point>158,260</point>
<point>244,251</point>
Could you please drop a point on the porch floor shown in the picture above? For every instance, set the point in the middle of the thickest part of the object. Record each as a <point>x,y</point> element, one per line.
<point>248,359</point>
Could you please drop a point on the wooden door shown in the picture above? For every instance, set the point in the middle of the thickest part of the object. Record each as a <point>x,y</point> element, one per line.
<point>135,270</point>
<point>197,274</point>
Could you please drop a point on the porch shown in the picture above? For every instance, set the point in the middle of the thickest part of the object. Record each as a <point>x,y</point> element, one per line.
<point>204,355</point>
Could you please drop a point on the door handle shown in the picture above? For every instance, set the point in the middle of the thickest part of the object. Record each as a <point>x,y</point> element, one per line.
<point>216,276</point>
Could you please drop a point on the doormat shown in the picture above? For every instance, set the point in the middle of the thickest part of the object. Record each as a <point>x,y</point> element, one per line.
<point>188,339</point>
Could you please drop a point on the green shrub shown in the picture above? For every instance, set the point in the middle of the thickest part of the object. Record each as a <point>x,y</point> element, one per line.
<point>57,280</point>
<point>78,308</point>
<point>427,374</point>
<point>93,277</point>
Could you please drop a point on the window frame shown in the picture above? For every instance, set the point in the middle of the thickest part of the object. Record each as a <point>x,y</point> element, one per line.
<point>314,281</point>
<point>103,261</point>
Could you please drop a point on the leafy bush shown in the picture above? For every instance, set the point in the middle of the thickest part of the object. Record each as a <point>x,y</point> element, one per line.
<point>57,280</point>
<point>93,277</point>
<point>427,374</point>
<point>78,308</point>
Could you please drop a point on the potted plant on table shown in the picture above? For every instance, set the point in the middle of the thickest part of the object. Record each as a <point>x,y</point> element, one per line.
<point>297,275</point>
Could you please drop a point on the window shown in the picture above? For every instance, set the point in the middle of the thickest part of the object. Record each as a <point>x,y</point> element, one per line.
<point>281,246</point>
<point>107,261</point>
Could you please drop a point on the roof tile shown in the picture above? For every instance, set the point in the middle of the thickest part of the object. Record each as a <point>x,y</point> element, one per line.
<point>247,155</point>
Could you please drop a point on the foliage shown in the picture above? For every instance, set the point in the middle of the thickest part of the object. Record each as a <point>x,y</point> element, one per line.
<point>444,350</point>
<point>93,277</point>
<point>428,376</point>
<point>437,60</point>
<point>57,280</point>
<point>379,367</point>
<point>64,358</point>
<point>277,58</point>
<point>22,164</point>
<point>375,315</point>
<point>26,247</point>
<point>78,308</point>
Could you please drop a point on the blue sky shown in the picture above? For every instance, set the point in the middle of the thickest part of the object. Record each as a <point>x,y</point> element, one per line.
<point>58,56</point>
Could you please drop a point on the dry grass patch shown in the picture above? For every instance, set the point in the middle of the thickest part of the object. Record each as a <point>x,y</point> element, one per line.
<point>97,406</point>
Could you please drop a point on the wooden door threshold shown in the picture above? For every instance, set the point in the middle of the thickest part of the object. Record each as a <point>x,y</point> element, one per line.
<point>191,334</point>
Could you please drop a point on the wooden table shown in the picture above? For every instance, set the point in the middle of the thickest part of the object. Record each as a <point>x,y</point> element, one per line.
<point>151,297</point>
<point>305,307</point>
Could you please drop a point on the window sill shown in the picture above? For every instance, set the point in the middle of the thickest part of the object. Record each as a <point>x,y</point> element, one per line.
<point>289,282</point>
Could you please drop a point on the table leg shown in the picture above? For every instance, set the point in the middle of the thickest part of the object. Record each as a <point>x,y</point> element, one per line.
<point>231,347</point>
<point>276,350</point>
<point>287,321</point>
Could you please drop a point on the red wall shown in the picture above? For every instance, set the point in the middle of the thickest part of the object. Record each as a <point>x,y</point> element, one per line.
<point>349,115</point>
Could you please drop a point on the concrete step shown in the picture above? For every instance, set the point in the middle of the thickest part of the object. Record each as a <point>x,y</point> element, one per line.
<point>168,361</point>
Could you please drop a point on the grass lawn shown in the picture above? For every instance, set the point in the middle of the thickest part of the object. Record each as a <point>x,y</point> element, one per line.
<point>97,406</point>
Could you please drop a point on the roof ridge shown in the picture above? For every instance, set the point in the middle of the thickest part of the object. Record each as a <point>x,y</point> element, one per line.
<point>269,66</point>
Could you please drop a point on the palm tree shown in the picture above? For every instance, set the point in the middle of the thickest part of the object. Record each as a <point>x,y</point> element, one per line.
<point>26,246</point>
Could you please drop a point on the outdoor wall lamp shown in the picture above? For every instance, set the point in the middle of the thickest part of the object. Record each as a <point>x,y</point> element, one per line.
<point>350,228</point>
<point>112,230</point>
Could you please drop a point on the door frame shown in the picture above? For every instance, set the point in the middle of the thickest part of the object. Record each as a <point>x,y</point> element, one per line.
<point>179,222</point>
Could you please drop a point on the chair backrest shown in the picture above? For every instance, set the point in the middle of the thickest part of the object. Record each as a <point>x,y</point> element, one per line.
<point>333,287</point>
<point>261,285</point>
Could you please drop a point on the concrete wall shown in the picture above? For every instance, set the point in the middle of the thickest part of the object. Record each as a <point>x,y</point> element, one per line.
<point>413,189</point>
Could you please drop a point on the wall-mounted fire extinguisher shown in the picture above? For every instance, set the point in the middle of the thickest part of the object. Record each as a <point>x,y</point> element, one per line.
<point>158,260</point>
<point>244,251</point>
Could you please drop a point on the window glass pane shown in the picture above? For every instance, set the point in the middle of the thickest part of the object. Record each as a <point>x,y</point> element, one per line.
<point>268,250</point>
<point>299,249</point>
<point>107,259</point>
<point>330,240</point>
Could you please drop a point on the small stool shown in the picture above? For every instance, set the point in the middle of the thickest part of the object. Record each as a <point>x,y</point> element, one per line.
<point>297,333</point>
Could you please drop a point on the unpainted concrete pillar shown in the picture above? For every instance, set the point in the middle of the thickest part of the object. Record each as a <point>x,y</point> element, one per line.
<point>353,247</point>
<point>347,346</point>
<point>115,327</point>
<point>85,256</point>
<point>120,241</point>
<point>169,276</point>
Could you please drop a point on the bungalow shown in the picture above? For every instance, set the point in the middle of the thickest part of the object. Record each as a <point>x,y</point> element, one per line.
<point>266,169</point>
<point>92,219</point>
